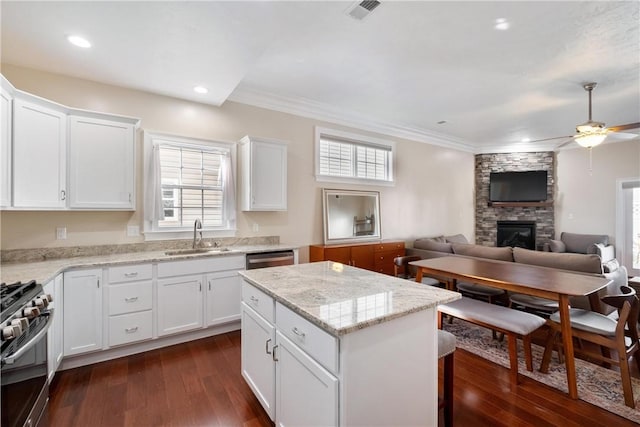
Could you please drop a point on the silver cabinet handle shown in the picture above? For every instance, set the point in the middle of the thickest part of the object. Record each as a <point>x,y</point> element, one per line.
<point>266,346</point>
<point>209,284</point>
<point>298,332</point>
<point>131,330</point>
<point>131,299</point>
<point>134,274</point>
<point>253,299</point>
<point>200,286</point>
<point>98,281</point>
<point>63,195</point>
<point>129,197</point>
<point>273,354</point>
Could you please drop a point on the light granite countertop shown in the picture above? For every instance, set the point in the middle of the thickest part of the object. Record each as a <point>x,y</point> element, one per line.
<point>43,271</point>
<point>341,299</point>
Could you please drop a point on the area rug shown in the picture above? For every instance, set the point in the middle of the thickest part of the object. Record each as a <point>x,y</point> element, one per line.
<point>596,385</point>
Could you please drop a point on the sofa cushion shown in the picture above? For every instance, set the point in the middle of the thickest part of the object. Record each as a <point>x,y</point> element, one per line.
<point>582,243</point>
<point>479,251</point>
<point>457,238</point>
<point>584,263</point>
<point>432,245</point>
<point>557,246</point>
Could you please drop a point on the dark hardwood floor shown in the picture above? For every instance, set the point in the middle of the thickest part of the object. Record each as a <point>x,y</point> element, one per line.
<point>199,384</point>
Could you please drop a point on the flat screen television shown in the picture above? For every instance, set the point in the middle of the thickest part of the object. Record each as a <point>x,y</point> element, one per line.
<point>528,186</point>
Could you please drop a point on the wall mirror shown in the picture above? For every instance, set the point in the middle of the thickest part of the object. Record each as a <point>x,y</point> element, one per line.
<point>351,216</point>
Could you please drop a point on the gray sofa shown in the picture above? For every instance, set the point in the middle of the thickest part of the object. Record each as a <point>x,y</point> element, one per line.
<point>586,263</point>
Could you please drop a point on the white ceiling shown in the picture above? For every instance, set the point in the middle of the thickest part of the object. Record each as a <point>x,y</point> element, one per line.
<point>399,71</point>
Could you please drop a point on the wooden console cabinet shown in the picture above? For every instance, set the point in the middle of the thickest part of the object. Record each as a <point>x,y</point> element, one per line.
<point>376,256</point>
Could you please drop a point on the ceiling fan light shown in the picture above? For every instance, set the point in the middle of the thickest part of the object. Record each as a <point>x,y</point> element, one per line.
<point>591,139</point>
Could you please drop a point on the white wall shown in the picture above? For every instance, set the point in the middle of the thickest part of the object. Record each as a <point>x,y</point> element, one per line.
<point>433,193</point>
<point>585,201</point>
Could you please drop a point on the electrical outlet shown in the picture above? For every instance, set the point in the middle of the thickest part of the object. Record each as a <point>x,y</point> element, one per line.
<point>133,230</point>
<point>61,233</point>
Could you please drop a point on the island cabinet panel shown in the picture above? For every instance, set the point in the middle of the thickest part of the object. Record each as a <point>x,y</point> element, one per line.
<point>370,256</point>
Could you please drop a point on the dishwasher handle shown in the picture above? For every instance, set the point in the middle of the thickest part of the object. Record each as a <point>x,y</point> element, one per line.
<point>268,260</point>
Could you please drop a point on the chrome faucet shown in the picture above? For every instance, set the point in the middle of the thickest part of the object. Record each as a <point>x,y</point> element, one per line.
<point>197,228</point>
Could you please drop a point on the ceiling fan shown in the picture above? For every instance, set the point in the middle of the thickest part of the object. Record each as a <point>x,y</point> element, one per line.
<point>592,133</point>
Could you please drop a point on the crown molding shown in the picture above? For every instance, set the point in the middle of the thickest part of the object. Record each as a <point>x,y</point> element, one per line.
<point>319,111</point>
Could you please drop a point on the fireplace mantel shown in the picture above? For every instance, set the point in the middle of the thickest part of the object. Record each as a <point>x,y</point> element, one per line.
<point>520,204</point>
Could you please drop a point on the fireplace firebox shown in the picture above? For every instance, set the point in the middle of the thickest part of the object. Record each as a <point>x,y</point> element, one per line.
<point>521,234</point>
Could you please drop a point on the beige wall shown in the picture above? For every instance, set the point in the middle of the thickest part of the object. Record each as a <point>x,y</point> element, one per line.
<point>586,202</point>
<point>433,192</point>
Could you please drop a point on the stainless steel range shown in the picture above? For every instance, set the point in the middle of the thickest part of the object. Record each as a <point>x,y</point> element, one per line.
<point>25,317</point>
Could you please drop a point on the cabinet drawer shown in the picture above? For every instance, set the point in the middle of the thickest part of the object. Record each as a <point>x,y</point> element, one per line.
<point>387,257</point>
<point>130,297</point>
<point>317,343</point>
<point>258,300</point>
<point>381,247</point>
<point>128,328</point>
<point>129,273</point>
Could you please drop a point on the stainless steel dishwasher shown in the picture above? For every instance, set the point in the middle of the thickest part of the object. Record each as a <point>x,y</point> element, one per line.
<point>269,259</point>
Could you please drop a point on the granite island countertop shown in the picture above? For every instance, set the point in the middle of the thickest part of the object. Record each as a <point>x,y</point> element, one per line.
<point>341,299</point>
<point>44,271</point>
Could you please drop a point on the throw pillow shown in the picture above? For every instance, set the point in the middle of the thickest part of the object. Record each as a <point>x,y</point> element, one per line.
<point>557,246</point>
<point>457,238</point>
<point>432,245</point>
<point>479,251</point>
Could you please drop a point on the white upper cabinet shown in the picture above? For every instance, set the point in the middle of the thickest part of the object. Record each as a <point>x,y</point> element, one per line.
<point>39,156</point>
<point>6,125</point>
<point>101,163</point>
<point>263,175</point>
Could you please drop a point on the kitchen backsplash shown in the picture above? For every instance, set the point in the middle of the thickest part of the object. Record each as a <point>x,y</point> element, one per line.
<point>43,254</point>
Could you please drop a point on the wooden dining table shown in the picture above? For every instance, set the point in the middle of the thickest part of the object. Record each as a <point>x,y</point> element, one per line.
<point>542,282</point>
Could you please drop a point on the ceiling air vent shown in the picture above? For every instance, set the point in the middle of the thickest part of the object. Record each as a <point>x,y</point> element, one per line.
<point>360,10</point>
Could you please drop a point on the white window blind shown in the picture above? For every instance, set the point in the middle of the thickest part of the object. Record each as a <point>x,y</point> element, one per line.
<point>192,186</point>
<point>350,159</point>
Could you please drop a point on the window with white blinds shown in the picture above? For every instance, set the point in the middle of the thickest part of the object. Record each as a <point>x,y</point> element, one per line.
<point>191,186</point>
<point>344,158</point>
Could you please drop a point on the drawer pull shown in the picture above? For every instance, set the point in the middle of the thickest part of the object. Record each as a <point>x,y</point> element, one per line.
<point>298,332</point>
<point>134,274</point>
<point>131,299</point>
<point>131,330</point>
<point>253,299</point>
<point>266,346</point>
<point>273,353</point>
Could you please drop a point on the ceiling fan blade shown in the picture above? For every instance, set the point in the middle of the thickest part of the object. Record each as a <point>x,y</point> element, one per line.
<point>621,136</point>
<point>551,139</point>
<point>620,128</point>
<point>565,143</point>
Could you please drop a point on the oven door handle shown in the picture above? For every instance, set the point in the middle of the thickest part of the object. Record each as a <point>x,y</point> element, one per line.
<point>10,360</point>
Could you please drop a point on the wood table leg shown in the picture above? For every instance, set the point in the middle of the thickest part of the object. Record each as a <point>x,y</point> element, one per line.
<point>567,341</point>
<point>419,275</point>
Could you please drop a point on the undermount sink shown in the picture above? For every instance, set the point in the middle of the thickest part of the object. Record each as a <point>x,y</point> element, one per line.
<point>191,251</point>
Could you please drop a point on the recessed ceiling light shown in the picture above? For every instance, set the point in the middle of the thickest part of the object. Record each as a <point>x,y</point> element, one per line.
<point>502,24</point>
<point>79,41</point>
<point>200,89</point>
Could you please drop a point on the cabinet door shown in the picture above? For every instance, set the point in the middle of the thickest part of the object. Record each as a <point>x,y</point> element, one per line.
<point>82,315</point>
<point>307,394</point>
<point>39,156</point>
<point>224,292</point>
<point>6,123</point>
<point>101,164</point>
<point>58,344</point>
<point>179,304</point>
<point>362,256</point>
<point>258,367</point>
<point>342,255</point>
<point>263,181</point>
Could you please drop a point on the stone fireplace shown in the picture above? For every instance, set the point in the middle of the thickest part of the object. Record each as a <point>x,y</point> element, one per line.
<point>521,234</point>
<point>488,214</point>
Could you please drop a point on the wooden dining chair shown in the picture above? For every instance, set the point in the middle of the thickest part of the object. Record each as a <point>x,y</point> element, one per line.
<point>620,335</point>
<point>401,268</point>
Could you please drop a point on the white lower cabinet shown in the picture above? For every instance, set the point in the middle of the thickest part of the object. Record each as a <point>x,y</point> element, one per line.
<point>179,304</point>
<point>258,369</point>
<point>54,335</point>
<point>82,312</point>
<point>307,394</point>
<point>281,374</point>
<point>224,293</point>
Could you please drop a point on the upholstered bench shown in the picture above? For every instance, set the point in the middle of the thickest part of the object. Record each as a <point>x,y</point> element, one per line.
<point>513,323</point>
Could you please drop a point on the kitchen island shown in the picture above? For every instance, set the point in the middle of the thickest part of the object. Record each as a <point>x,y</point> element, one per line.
<point>329,344</point>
